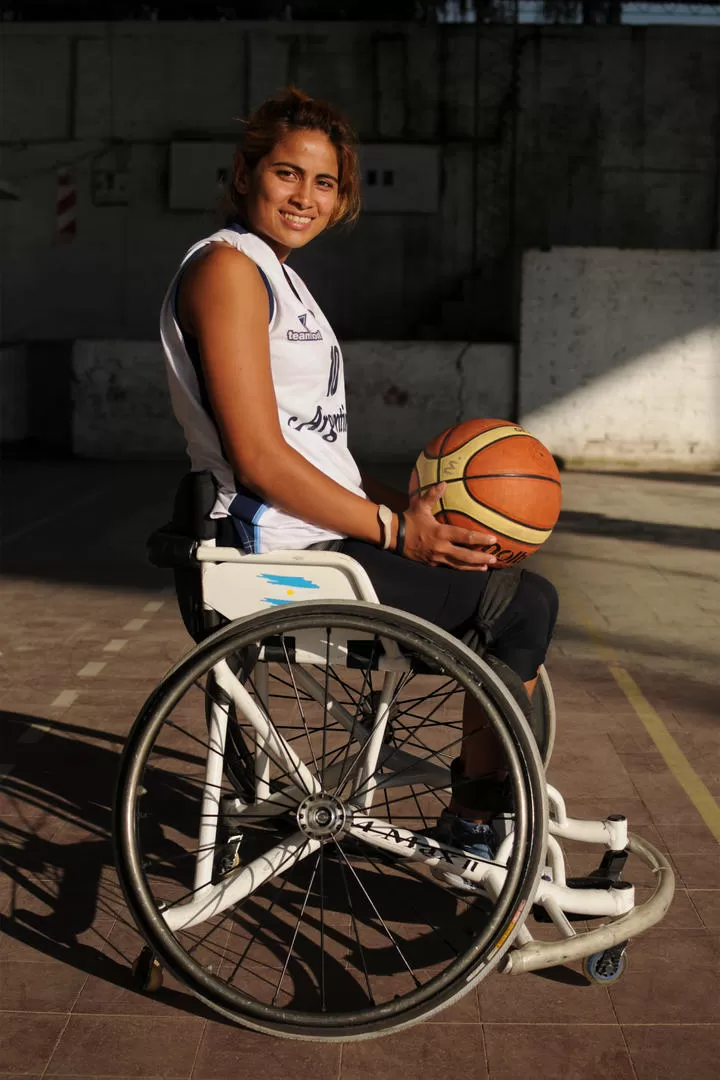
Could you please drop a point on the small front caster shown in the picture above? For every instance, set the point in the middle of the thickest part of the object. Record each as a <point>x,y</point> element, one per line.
<point>147,972</point>
<point>606,966</point>
<point>227,858</point>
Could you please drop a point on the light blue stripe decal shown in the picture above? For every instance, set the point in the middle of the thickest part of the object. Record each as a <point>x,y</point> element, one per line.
<point>275,603</point>
<point>290,582</point>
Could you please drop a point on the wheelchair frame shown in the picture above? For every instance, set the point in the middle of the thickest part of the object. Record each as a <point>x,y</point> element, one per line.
<point>236,586</point>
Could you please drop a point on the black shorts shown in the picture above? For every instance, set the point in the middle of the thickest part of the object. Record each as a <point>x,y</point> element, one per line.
<point>450,599</point>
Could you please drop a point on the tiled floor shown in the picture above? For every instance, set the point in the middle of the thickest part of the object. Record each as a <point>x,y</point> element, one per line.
<point>637,563</point>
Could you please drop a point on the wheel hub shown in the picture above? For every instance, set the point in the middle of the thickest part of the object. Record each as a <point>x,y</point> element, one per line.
<point>321,816</point>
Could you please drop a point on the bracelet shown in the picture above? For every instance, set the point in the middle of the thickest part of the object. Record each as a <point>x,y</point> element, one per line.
<point>400,539</point>
<point>385,518</point>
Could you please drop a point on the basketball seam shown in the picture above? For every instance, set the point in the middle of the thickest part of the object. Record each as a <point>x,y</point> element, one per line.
<point>502,535</point>
<point>505,423</point>
<point>503,476</point>
<point>501,513</point>
<point>448,433</point>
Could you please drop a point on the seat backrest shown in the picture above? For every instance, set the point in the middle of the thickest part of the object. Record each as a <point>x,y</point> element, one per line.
<point>194,500</point>
<point>173,546</point>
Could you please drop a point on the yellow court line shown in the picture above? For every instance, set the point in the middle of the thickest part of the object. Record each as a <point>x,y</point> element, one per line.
<point>695,788</point>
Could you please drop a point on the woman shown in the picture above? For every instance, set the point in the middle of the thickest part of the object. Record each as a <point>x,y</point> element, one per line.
<point>257,383</point>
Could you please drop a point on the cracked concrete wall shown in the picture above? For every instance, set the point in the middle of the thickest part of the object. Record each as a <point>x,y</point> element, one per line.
<point>616,145</point>
<point>400,394</point>
<point>620,356</point>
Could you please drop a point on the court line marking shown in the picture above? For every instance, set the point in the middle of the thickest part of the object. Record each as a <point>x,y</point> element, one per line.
<point>115,645</point>
<point>154,605</point>
<point>64,699</point>
<point>135,624</point>
<point>94,667</point>
<point>694,787</point>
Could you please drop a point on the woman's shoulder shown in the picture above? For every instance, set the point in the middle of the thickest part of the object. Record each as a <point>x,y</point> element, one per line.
<point>218,270</point>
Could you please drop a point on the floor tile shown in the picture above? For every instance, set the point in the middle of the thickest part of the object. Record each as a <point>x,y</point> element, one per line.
<point>44,986</point>
<point>556,1052</point>
<point>430,1051</point>
<point>561,995</point>
<point>673,977</point>
<point>707,905</point>
<point>657,1051</point>
<point>27,1040</point>
<point>127,1046</point>
<point>225,1046</point>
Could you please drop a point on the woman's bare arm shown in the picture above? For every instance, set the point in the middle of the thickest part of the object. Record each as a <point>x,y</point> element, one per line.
<point>224,304</point>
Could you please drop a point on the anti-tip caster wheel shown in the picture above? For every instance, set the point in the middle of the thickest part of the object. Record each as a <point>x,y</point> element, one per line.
<point>606,966</point>
<point>147,972</point>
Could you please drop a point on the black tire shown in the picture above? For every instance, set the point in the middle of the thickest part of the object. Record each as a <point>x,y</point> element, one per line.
<point>474,939</point>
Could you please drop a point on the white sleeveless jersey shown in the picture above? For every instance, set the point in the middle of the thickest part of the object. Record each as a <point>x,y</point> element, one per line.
<point>307,373</point>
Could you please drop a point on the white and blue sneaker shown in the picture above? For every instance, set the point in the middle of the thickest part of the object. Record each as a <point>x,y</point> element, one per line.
<point>479,840</point>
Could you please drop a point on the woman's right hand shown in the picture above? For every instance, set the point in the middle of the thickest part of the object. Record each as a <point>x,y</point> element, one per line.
<point>430,542</point>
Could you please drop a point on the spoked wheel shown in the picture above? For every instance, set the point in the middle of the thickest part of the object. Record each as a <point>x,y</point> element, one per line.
<point>333,920</point>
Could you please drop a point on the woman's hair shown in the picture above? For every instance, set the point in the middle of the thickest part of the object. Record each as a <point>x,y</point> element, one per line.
<point>292,110</point>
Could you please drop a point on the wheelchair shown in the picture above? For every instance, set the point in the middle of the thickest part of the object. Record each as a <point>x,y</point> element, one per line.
<point>274,812</point>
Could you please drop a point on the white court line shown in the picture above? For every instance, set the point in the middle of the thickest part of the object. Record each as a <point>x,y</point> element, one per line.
<point>64,698</point>
<point>115,645</point>
<point>135,624</point>
<point>154,605</point>
<point>93,668</point>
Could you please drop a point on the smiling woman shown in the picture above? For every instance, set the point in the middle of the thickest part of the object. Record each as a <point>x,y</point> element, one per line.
<point>256,379</point>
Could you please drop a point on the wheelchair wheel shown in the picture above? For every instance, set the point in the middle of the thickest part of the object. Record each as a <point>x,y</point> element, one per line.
<point>334,921</point>
<point>239,766</point>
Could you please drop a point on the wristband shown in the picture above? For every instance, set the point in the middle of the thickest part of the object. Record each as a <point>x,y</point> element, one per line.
<point>400,538</point>
<point>385,517</point>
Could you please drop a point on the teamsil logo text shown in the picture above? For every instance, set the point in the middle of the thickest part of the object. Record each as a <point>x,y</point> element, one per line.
<point>304,334</point>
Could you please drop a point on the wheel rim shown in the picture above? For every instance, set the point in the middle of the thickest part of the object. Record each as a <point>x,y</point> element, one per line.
<point>329,925</point>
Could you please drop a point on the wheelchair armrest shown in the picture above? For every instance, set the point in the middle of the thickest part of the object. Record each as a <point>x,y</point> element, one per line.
<point>170,551</point>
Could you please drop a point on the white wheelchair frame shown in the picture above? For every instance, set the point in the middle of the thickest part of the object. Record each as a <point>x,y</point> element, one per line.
<point>236,585</point>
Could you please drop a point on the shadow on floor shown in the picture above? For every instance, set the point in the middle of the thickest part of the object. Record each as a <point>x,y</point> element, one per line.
<point>704,479</point>
<point>594,524</point>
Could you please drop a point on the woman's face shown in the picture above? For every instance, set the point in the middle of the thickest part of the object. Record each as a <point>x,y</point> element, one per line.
<point>292,192</point>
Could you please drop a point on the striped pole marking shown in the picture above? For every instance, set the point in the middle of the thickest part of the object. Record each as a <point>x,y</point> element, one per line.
<point>66,206</point>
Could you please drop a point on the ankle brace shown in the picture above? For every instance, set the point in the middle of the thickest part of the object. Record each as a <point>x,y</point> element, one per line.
<point>489,791</point>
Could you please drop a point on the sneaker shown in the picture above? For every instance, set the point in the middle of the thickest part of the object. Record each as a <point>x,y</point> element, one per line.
<point>476,838</point>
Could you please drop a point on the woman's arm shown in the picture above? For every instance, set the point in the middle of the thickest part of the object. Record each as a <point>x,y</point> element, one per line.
<point>223,302</point>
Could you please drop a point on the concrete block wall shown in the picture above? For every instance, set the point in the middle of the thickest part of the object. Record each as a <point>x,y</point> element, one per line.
<point>14,393</point>
<point>400,394</point>
<point>614,140</point>
<point>620,356</point>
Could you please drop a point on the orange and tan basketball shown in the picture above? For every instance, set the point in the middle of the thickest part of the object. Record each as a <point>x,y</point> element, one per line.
<point>500,479</point>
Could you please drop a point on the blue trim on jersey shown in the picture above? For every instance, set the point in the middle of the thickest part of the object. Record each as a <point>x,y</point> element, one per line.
<point>256,532</point>
<point>246,509</point>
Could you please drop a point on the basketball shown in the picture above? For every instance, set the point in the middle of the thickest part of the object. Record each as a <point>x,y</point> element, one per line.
<point>500,479</point>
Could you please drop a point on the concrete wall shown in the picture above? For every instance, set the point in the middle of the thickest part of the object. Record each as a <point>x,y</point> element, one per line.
<point>400,394</point>
<point>613,142</point>
<point>14,409</point>
<point>620,356</point>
